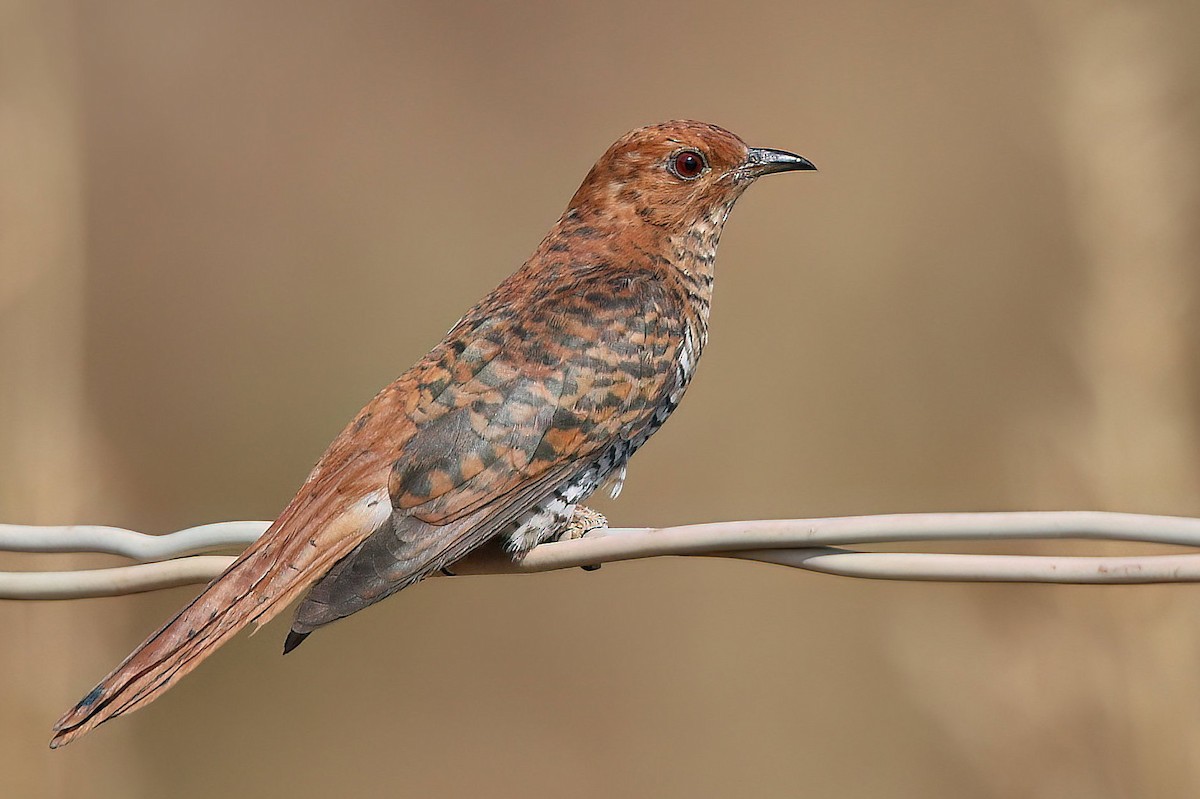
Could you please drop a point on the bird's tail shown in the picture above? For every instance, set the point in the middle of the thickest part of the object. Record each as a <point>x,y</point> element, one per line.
<point>256,587</point>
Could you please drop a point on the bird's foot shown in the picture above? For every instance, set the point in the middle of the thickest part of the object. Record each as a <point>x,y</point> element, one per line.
<point>583,521</point>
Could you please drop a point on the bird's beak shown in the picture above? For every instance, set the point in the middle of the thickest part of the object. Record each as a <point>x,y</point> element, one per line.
<point>762,161</point>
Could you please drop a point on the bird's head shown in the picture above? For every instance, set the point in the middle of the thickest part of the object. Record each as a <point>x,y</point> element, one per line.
<point>676,174</point>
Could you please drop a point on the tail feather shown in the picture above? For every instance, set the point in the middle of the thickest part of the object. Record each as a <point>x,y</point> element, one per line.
<point>259,584</point>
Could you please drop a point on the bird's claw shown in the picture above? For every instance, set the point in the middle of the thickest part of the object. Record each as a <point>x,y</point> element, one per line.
<point>583,521</point>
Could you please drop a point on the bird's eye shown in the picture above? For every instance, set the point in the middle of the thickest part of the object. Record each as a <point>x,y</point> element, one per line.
<point>688,164</point>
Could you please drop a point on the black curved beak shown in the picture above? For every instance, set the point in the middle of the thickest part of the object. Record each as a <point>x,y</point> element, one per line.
<point>762,161</point>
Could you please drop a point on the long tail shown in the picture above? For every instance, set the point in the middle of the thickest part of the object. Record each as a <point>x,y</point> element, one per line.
<point>256,587</point>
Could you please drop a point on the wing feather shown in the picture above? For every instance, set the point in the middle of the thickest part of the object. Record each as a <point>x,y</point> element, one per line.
<point>475,468</point>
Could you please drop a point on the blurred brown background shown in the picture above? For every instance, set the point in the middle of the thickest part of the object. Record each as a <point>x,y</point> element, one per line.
<point>224,225</point>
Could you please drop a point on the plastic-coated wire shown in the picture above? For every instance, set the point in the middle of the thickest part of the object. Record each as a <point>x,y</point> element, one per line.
<point>812,544</point>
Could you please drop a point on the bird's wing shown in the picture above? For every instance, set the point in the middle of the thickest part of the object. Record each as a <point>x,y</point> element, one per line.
<point>490,449</point>
<point>497,411</point>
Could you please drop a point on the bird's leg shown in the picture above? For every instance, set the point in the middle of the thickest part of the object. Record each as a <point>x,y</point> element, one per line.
<point>583,520</point>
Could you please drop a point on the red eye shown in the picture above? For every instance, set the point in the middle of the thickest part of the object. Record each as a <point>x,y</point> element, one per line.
<point>688,164</point>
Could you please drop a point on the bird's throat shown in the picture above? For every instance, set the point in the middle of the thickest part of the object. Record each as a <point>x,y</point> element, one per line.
<point>694,256</point>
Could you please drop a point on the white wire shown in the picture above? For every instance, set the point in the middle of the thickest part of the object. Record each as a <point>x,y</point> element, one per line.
<point>800,543</point>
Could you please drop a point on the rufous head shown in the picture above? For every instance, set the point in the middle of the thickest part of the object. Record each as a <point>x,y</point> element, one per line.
<point>675,173</point>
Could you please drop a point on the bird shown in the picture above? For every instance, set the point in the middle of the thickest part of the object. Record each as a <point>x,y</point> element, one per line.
<point>534,399</point>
